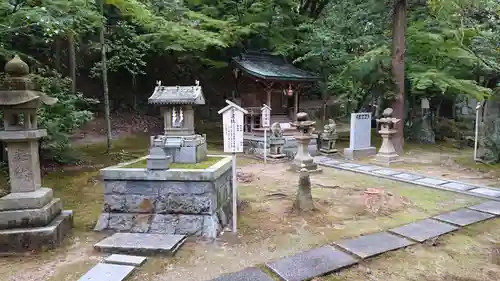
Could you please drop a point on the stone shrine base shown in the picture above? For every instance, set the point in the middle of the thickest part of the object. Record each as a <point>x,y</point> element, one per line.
<point>32,221</point>
<point>196,202</point>
<point>352,154</point>
<point>387,159</point>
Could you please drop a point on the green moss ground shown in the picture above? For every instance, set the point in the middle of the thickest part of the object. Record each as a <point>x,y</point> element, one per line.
<point>202,165</point>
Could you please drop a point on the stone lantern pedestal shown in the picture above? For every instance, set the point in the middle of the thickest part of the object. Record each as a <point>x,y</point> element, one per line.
<point>303,159</point>
<point>387,154</point>
<point>30,217</point>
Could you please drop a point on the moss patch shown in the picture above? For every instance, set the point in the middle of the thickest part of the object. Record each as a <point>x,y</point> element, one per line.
<point>202,165</point>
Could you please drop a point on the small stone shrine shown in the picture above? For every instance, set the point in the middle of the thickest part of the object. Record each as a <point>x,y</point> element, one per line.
<point>276,142</point>
<point>329,138</point>
<point>303,137</point>
<point>387,154</point>
<point>180,141</point>
<point>30,218</point>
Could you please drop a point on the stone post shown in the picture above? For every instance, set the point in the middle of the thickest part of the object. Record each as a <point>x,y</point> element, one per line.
<point>387,154</point>
<point>303,137</point>
<point>29,207</point>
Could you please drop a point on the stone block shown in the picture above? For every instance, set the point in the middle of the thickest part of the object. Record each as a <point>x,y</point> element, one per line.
<point>367,168</point>
<point>114,202</point>
<point>125,222</point>
<point>312,263</point>
<point>386,172</point>
<point>186,204</point>
<point>424,230</point>
<point>108,272</point>
<point>141,187</point>
<point>26,200</point>
<point>163,224</point>
<point>492,207</point>
<point>464,217</point>
<point>140,203</point>
<point>374,244</point>
<point>125,260</point>
<point>458,186</point>
<point>247,274</point>
<point>352,154</point>
<point>183,187</point>
<point>487,191</point>
<point>141,243</point>
<point>409,177</point>
<point>431,181</point>
<point>30,217</point>
<point>37,238</point>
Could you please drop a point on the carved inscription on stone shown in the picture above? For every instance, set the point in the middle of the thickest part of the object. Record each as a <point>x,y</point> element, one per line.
<point>20,165</point>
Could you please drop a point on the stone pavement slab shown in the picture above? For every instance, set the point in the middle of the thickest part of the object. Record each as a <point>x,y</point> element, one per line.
<point>492,207</point>
<point>125,260</point>
<point>431,181</point>
<point>424,229</point>
<point>107,272</point>
<point>463,217</point>
<point>458,186</point>
<point>387,172</point>
<point>368,168</point>
<point>374,244</point>
<point>348,165</point>
<point>406,176</point>
<point>247,274</point>
<point>312,263</point>
<point>142,243</point>
<point>487,191</point>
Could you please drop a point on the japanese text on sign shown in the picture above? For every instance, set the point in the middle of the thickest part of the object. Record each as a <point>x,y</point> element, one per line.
<point>233,130</point>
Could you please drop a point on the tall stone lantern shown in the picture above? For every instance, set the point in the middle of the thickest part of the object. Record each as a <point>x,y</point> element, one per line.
<point>303,137</point>
<point>30,218</point>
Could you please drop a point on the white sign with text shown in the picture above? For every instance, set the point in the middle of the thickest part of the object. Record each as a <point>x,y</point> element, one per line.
<point>266,116</point>
<point>361,126</point>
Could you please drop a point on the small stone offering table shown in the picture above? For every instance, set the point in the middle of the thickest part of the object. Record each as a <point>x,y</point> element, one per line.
<point>30,218</point>
<point>180,140</point>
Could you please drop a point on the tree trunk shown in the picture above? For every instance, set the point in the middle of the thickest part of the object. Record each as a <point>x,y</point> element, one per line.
<point>57,62</point>
<point>72,61</point>
<point>304,201</point>
<point>398,69</point>
<point>105,79</point>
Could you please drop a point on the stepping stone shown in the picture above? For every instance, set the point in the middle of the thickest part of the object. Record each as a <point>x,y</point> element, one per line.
<point>247,274</point>
<point>430,181</point>
<point>374,244</point>
<point>409,177</point>
<point>125,260</point>
<point>458,186</point>
<point>107,272</point>
<point>331,162</point>
<point>487,191</point>
<point>141,243</point>
<point>463,217</point>
<point>367,168</point>
<point>312,263</point>
<point>349,165</point>
<point>492,207</point>
<point>424,230</point>
<point>386,172</point>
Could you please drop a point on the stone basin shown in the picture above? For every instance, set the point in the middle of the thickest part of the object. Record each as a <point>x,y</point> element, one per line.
<point>194,202</point>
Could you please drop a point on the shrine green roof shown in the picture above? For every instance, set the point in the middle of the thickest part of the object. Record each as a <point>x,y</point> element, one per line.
<point>271,67</point>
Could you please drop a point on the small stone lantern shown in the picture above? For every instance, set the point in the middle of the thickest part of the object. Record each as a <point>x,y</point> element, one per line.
<point>329,138</point>
<point>387,154</point>
<point>303,159</point>
<point>180,140</point>
<point>29,208</point>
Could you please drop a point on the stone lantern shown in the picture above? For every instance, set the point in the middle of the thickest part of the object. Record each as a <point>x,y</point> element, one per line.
<point>180,140</point>
<point>387,154</point>
<point>303,136</point>
<point>30,218</point>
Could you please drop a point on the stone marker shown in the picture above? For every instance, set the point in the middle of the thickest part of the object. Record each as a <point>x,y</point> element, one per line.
<point>487,191</point>
<point>125,260</point>
<point>312,263</point>
<point>247,274</point>
<point>463,217</point>
<point>424,230</point>
<point>458,186</point>
<point>303,137</point>
<point>360,137</point>
<point>492,207</point>
<point>29,215</point>
<point>141,243</point>
<point>108,272</point>
<point>387,153</point>
<point>374,244</point>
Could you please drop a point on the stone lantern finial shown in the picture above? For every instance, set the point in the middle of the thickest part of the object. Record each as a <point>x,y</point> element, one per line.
<point>17,67</point>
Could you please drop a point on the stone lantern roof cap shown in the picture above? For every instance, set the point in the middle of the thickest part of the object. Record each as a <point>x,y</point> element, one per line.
<point>188,95</point>
<point>15,90</point>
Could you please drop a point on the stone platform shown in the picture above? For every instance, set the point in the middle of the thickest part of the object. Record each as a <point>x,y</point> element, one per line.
<point>195,202</point>
<point>141,243</point>
<point>254,145</point>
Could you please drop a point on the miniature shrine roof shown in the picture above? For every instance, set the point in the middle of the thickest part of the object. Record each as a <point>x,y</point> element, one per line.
<point>271,67</point>
<point>177,95</point>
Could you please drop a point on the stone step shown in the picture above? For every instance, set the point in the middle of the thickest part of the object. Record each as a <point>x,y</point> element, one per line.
<point>125,260</point>
<point>141,243</point>
<point>108,272</point>
<point>36,238</point>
